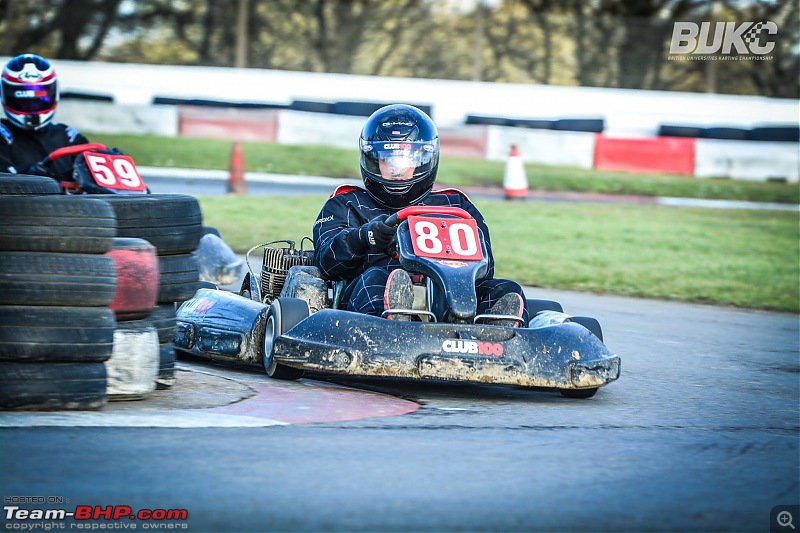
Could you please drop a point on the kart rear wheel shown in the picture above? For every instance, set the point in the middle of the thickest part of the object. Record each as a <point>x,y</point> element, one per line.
<point>283,315</point>
<point>589,323</point>
<point>579,394</point>
<point>535,306</point>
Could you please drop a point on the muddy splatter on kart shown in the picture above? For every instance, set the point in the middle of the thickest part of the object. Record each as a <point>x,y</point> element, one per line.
<point>296,324</point>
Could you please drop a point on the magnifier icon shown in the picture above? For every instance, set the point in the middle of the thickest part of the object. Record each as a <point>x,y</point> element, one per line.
<point>785,519</point>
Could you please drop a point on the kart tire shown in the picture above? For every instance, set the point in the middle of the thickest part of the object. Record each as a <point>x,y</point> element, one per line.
<point>589,323</point>
<point>283,315</point>
<point>52,386</point>
<point>56,334</point>
<point>163,319</point>
<point>70,280</point>
<point>166,367</point>
<point>27,184</point>
<point>179,278</point>
<point>137,278</point>
<point>249,288</point>
<point>579,394</point>
<point>133,366</point>
<point>209,230</point>
<point>170,222</point>
<point>536,306</point>
<point>72,224</point>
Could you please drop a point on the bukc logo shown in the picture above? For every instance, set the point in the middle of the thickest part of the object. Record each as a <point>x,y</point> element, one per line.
<point>483,348</point>
<point>744,38</point>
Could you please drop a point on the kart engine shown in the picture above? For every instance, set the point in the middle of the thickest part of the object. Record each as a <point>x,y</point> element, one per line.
<point>276,265</point>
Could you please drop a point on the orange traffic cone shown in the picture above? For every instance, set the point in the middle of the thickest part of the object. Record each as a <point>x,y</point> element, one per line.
<point>236,181</point>
<point>515,182</point>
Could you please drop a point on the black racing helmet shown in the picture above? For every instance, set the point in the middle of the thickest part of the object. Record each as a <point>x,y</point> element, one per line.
<point>399,149</point>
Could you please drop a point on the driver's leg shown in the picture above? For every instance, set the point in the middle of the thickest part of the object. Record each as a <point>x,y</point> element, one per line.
<point>490,292</point>
<point>365,293</point>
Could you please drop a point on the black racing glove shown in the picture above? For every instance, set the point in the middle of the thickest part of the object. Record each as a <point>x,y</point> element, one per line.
<point>374,237</point>
<point>39,169</point>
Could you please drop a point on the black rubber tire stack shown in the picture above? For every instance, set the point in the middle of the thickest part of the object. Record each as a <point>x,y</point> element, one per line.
<point>173,224</point>
<point>24,184</point>
<point>56,330</point>
<point>163,319</point>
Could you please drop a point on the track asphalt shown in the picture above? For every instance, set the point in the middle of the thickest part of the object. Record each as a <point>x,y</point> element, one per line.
<point>206,396</point>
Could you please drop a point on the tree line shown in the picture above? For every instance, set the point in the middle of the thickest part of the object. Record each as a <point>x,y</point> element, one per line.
<point>599,43</point>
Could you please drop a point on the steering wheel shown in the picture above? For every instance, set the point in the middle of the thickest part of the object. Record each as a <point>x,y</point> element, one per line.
<point>43,167</point>
<point>396,218</point>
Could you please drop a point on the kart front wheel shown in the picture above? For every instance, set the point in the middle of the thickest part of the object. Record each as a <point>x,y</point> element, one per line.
<point>580,394</point>
<point>283,315</point>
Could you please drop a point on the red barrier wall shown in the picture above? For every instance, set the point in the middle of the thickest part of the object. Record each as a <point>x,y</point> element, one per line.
<point>466,141</point>
<point>673,155</point>
<point>238,124</point>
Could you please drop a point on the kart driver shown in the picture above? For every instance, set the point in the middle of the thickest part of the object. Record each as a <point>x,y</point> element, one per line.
<point>29,93</point>
<point>352,240</point>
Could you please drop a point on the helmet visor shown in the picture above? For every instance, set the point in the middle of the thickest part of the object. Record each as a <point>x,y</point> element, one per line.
<point>398,161</point>
<point>29,98</point>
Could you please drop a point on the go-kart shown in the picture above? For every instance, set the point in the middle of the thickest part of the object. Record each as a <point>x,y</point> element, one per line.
<point>96,170</point>
<point>296,324</point>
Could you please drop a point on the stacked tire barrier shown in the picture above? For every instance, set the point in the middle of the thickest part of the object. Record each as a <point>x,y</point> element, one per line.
<point>133,366</point>
<point>56,283</point>
<point>172,223</point>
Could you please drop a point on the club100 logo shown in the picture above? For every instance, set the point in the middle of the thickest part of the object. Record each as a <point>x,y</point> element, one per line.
<point>731,40</point>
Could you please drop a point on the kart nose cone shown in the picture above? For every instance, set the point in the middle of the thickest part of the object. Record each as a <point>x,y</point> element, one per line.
<point>593,373</point>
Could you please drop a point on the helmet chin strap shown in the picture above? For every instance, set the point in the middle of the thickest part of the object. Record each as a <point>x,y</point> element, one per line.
<point>396,189</point>
<point>33,122</point>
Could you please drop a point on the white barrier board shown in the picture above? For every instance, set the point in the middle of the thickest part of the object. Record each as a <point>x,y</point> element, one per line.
<point>747,160</point>
<point>546,147</point>
<point>300,127</point>
<point>105,117</point>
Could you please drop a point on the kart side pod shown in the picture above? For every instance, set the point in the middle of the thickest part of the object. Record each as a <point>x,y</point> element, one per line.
<point>221,325</point>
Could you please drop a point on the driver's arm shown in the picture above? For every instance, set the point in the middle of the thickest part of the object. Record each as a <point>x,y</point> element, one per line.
<point>334,229</point>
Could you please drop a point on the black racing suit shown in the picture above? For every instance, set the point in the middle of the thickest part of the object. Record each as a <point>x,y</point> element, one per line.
<point>22,149</point>
<point>366,273</point>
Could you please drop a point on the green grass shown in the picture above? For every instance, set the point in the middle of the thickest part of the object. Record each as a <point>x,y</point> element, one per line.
<point>336,163</point>
<point>740,258</point>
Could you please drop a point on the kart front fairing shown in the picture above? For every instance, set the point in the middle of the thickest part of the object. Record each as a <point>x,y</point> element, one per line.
<point>563,355</point>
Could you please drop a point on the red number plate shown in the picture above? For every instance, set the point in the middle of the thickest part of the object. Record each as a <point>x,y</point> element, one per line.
<point>114,172</point>
<point>445,238</point>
